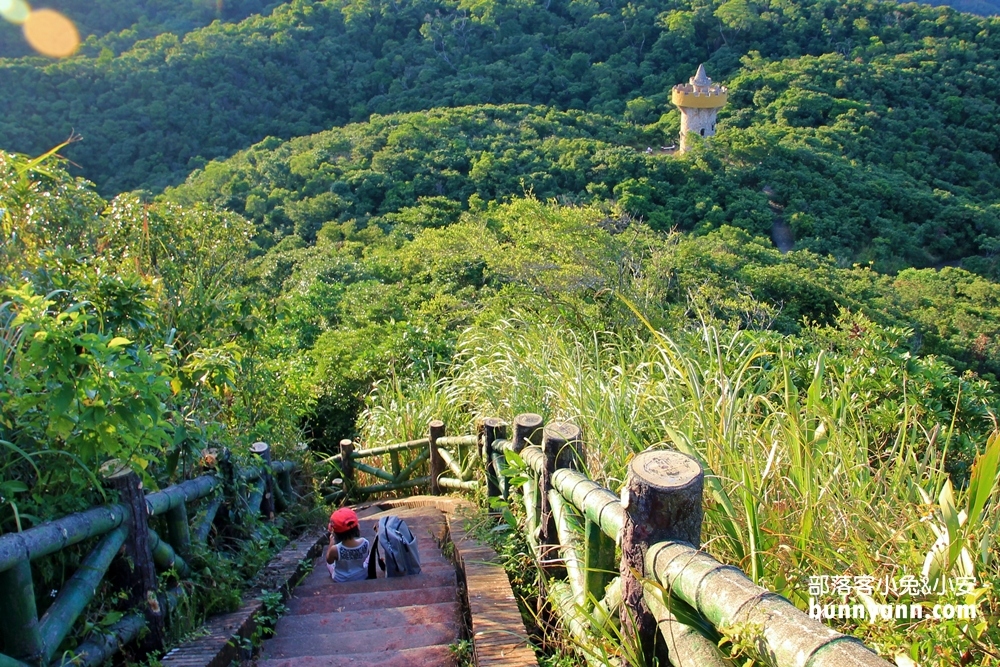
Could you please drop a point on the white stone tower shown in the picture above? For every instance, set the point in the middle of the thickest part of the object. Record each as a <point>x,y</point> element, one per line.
<point>699,101</point>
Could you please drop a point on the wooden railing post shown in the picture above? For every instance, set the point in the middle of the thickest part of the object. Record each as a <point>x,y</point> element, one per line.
<point>136,574</point>
<point>347,465</point>
<point>493,429</point>
<point>435,431</point>
<point>663,501</point>
<point>263,450</point>
<point>22,638</point>
<point>559,443</point>
<point>527,430</point>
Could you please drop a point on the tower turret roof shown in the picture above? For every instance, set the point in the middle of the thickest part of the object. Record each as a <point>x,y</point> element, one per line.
<point>701,77</point>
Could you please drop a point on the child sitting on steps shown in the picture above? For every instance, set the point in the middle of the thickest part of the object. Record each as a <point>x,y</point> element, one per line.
<point>347,555</point>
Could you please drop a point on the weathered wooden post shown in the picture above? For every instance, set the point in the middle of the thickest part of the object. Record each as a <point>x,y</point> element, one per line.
<point>347,464</point>
<point>559,443</point>
<point>663,501</point>
<point>527,430</point>
<point>136,574</point>
<point>435,431</point>
<point>263,451</point>
<point>493,429</point>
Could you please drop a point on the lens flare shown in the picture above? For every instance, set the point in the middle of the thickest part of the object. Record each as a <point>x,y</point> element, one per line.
<point>15,11</point>
<point>51,34</point>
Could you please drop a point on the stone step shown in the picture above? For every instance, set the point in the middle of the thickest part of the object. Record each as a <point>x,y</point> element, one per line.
<point>367,619</point>
<point>375,641</point>
<point>432,578</point>
<point>427,656</point>
<point>318,604</point>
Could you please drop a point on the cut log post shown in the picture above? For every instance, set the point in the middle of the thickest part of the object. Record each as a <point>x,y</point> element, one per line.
<point>493,429</point>
<point>347,464</point>
<point>263,450</point>
<point>435,431</point>
<point>22,637</point>
<point>663,501</point>
<point>230,515</point>
<point>557,439</point>
<point>527,430</point>
<point>136,573</point>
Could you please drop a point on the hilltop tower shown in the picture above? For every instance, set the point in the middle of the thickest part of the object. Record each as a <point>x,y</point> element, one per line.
<point>699,100</point>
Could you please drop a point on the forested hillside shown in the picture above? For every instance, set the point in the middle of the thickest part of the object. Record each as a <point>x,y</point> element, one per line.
<point>151,114</point>
<point>118,24</point>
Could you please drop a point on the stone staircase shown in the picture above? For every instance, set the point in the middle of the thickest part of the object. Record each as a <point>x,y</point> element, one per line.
<point>397,622</point>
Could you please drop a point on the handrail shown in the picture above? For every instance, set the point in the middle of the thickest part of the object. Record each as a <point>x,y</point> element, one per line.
<point>29,639</point>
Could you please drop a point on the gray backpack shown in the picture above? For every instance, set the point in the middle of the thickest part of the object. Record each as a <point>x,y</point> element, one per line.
<point>399,549</point>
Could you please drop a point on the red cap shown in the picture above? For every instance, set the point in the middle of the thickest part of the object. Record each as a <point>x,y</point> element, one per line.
<point>343,520</point>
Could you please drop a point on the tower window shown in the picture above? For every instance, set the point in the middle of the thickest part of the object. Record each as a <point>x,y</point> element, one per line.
<point>703,132</point>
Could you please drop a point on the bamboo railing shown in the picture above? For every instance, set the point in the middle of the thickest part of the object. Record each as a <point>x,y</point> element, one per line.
<point>125,533</point>
<point>631,561</point>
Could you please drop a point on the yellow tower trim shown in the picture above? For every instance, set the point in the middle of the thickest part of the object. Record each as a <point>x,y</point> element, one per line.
<point>691,99</point>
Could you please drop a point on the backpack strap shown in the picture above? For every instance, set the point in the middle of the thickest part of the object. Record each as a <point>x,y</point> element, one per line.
<point>372,557</point>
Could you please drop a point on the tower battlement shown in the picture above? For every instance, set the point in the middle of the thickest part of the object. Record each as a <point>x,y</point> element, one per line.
<point>698,100</point>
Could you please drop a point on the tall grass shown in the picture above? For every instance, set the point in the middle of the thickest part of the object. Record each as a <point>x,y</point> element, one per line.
<point>804,476</point>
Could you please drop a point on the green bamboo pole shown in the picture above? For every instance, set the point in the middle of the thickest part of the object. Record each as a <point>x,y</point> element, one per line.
<point>529,491</point>
<point>255,497</point>
<point>78,591</point>
<point>56,535</point>
<point>469,466</point>
<point>377,472</point>
<point>178,529</point>
<point>100,646</point>
<point>395,486</point>
<point>285,479</point>
<point>500,464</point>
<point>262,451</point>
<point>173,496</point>
<point>394,464</point>
<point>165,557</point>
<point>783,632</point>
<point>576,621</point>
<point>685,645</point>
<point>609,607</point>
<point>449,461</point>
<point>7,661</point>
<point>280,501</point>
<point>20,630</point>
<point>388,449</point>
<point>600,566</point>
<point>457,484</point>
<point>457,440</point>
<point>597,503</point>
<point>204,523</point>
<point>412,465</point>
<point>569,546</point>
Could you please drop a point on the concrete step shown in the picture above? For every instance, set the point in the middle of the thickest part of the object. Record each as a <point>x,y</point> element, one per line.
<point>427,656</point>
<point>373,641</point>
<point>367,619</point>
<point>328,587</point>
<point>318,604</point>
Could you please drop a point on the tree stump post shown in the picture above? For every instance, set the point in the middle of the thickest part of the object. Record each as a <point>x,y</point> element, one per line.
<point>136,573</point>
<point>662,498</point>
<point>559,445</point>
<point>347,464</point>
<point>263,451</point>
<point>493,429</point>
<point>435,431</point>
<point>527,430</point>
